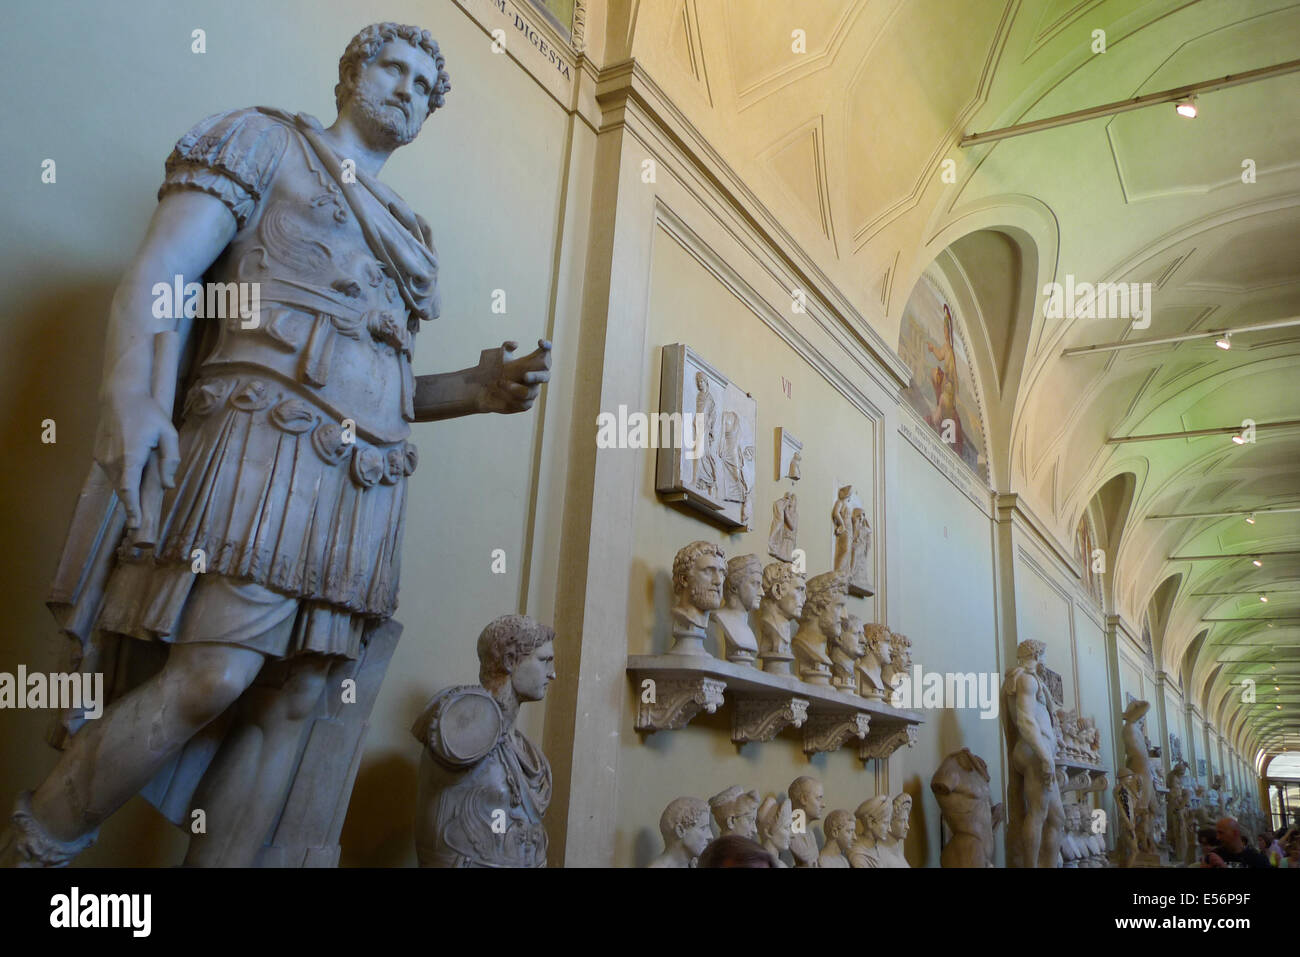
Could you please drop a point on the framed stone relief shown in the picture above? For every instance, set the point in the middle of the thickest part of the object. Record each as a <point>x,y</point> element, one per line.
<point>711,468</point>
<point>789,455</point>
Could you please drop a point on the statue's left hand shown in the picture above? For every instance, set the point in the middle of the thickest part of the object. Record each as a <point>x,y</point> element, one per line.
<point>512,385</point>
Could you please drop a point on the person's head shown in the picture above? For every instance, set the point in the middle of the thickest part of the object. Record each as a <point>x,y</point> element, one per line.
<point>852,640</point>
<point>840,829</point>
<point>859,522</point>
<point>1262,842</point>
<point>701,382</point>
<point>391,78</point>
<point>744,581</point>
<point>1228,833</point>
<point>518,650</point>
<point>900,816</point>
<point>774,816</point>
<point>686,821</point>
<point>825,602</point>
<point>874,814</point>
<point>807,795</point>
<point>1207,838</point>
<point>879,640</point>
<point>735,811</point>
<point>698,573</point>
<point>785,588</point>
<point>1029,651</point>
<point>732,850</point>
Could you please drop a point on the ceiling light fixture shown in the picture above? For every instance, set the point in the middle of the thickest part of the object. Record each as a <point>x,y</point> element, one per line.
<point>1257,563</point>
<point>1238,440</point>
<point>1186,108</point>
<point>1263,598</point>
<point>1224,341</point>
<point>1250,519</point>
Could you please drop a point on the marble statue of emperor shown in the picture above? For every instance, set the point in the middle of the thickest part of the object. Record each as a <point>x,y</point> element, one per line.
<point>235,553</point>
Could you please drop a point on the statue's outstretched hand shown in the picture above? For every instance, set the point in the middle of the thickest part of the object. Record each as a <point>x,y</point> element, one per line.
<point>512,385</point>
<point>131,426</point>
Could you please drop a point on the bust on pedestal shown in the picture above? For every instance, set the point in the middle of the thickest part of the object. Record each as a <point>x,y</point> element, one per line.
<point>729,625</point>
<point>698,574</point>
<point>784,592</point>
<point>822,620</point>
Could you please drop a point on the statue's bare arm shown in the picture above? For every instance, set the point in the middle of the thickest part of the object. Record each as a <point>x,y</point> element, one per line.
<point>188,232</point>
<point>497,384</point>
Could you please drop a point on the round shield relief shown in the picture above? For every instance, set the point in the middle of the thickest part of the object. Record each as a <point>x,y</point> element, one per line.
<point>468,725</point>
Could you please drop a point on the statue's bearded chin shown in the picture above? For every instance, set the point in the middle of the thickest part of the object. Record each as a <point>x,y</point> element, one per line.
<point>706,596</point>
<point>385,125</point>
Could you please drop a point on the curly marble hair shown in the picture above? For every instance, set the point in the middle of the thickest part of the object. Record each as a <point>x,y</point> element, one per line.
<point>686,557</point>
<point>365,46</point>
<point>824,590</point>
<point>504,642</point>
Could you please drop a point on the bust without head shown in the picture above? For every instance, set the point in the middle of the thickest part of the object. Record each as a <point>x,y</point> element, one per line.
<point>684,826</point>
<point>483,785</point>
<point>784,592</point>
<point>821,621</point>
<point>699,570</point>
<point>729,625</point>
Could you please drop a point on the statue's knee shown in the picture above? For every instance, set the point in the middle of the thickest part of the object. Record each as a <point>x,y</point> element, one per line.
<point>303,692</point>
<point>211,683</point>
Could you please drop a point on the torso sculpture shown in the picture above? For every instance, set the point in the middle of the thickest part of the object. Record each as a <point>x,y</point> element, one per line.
<point>267,526</point>
<point>961,786</point>
<point>483,785</point>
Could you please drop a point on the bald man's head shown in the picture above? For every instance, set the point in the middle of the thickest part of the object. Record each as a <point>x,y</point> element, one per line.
<point>1228,832</point>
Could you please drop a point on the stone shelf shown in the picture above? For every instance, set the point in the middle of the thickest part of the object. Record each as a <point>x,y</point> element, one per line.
<point>1073,764</point>
<point>763,705</point>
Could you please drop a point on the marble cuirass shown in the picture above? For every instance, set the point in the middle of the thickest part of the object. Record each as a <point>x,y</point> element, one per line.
<point>480,805</point>
<point>344,269</point>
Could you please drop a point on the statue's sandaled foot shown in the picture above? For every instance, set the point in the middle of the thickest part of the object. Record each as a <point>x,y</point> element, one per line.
<point>26,843</point>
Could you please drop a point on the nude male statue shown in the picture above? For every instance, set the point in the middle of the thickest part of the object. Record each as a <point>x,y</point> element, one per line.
<point>961,786</point>
<point>260,519</point>
<point>1138,760</point>
<point>1035,816</point>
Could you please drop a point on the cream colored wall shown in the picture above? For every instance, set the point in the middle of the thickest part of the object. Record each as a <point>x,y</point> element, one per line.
<point>486,173</point>
<point>687,304</point>
<point>943,601</point>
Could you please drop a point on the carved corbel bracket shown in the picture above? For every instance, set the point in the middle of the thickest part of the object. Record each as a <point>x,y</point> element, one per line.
<point>762,719</point>
<point>828,732</point>
<point>886,741</point>
<point>675,701</point>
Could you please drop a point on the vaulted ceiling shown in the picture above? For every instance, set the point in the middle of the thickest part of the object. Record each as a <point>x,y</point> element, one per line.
<point>847,143</point>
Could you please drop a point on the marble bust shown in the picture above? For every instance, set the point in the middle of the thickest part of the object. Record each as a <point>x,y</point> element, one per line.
<point>900,661</point>
<point>784,593</point>
<point>342,275</point>
<point>873,814</point>
<point>735,812</point>
<point>821,621</point>
<point>742,592</point>
<point>846,650</point>
<point>773,821</point>
<point>899,821</point>
<point>684,826</point>
<point>873,663</point>
<point>483,786</point>
<point>806,795</point>
<point>841,832</point>
<point>699,570</point>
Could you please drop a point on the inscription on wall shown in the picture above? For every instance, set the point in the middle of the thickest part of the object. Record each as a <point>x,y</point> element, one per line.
<point>927,443</point>
<point>537,45</point>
